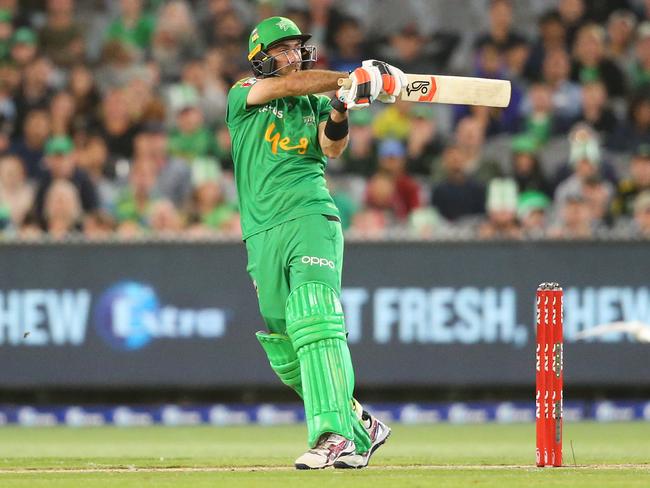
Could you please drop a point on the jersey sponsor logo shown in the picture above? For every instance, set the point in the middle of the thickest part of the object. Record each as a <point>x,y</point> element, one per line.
<point>284,143</point>
<point>315,261</point>
<point>270,108</point>
<point>309,120</point>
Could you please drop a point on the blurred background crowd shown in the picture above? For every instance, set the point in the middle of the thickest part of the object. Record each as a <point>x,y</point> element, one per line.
<point>112,117</point>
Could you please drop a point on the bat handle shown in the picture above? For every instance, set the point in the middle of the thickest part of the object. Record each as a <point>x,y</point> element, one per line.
<point>345,83</point>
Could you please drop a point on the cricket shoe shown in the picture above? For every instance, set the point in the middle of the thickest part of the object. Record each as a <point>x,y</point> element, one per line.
<point>378,431</point>
<point>330,447</point>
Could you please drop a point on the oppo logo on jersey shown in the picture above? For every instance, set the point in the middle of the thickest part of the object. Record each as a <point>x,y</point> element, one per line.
<point>314,261</point>
<point>284,143</point>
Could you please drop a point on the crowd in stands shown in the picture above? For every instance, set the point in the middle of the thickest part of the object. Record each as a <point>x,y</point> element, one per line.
<point>112,117</point>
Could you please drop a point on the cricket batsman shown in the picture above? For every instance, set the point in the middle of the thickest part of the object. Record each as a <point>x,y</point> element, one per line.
<point>282,134</point>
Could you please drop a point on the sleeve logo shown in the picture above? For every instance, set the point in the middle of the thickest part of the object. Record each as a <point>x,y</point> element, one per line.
<point>249,82</point>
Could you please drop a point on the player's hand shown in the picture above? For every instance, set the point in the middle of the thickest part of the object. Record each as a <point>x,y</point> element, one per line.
<point>366,85</point>
<point>393,80</point>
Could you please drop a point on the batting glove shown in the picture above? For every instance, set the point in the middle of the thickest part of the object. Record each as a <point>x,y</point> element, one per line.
<point>393,80</point>
<point>366,85</point>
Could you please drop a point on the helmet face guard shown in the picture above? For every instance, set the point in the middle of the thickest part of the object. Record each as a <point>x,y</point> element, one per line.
<point>264,65</point>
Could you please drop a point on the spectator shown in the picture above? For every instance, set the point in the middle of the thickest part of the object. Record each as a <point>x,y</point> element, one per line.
<point>349,50</point>
<point>215,71</point>
<point>164,219</point>
<point>86,97</point>
<point>566,95</point>
<point>469,137</point>
<point>133,26</point>
<point>343,200</point>
<point>62,209</point>
<point>211,94</point>
<point>191,139</point>
<point>118,66</point>
<point>642,214</point>
<point>7,110</point>
<point>526,168</point>
<point>19,17</point>
<point>98,225</point>
<point>360,156</point>
<point>501,33</point>
<point>392,161</point>
<point>393,121</point>
<point>30,146</point>
<point>637,182</point>
<point>457,194</point>
<point>501,206</point>
<point>175,39</point>
<point>516,60</point>
<point>34,92</point>
<point>595,110</point>
<point>423,142</point>
<point>408,48</point>
<point>532,212</point>
<point>229,32</point>
<point>173,180</point>
<point>573,15</point>
<point>640,67</point>
<point>539,122</point>
<point>552,37</point>
<point>62,39</point>
<point>585,159</point>
<point>223,145</point>
<point>575,220</point>
<point>10,79</point>
<point>62,111</point>
<point>496,121</point>
<point>598,195</point>
<point>590,61</point>
<point>93,159</point>
<point>133,203</point>
<point>144,104</point>
<point>209,211</point>
<point>620,36</point>
<point>6,33</point>
<point>379,210</point>
<point>424,222</point>
<point>116,126</point>
<point>636,130</point>
<point>16,194</point>
<point>24,47</point>
<point>61,165</point>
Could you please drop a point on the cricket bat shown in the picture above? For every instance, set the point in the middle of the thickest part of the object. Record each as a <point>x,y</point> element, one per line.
<point>462,90</point>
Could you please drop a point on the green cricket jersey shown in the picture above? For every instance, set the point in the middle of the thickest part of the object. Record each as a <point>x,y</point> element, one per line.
<point>279,164</point>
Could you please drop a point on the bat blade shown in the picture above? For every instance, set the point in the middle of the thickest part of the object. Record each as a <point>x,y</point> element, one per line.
<point>457,90</point>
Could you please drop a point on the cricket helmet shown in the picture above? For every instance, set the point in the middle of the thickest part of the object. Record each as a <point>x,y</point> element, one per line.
<point>272,31</point>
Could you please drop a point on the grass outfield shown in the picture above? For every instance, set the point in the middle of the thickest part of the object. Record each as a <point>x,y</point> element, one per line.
<point>616,454</point>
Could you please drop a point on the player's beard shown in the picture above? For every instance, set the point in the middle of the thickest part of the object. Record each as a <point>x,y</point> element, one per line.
<point>290,68</point>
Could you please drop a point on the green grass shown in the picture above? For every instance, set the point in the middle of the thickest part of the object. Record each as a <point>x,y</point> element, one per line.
<point>441,455</point>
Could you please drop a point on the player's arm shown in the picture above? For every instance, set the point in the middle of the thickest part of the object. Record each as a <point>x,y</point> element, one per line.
<point>333,134</point>
<point>295,84</point>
